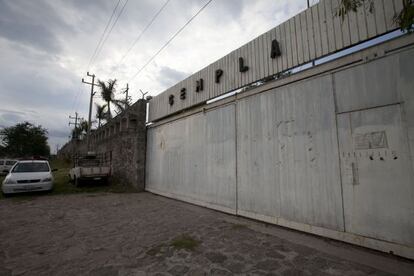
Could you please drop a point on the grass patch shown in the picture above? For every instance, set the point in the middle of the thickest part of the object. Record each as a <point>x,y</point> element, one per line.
<point>185,242</point>
<point>62,185</point>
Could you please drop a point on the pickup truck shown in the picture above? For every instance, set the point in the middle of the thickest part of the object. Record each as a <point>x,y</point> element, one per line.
<point>89,168</point>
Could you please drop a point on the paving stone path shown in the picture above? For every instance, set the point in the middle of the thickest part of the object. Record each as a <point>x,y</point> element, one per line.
<point>143,234</point>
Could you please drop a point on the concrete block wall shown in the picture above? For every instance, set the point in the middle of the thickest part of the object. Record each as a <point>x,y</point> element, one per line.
<point>122,141</point>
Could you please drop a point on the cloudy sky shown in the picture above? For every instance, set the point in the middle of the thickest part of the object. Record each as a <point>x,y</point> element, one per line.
<point>45,48</point>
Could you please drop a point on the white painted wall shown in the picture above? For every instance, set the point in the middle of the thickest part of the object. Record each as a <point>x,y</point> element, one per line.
<point>299,162</point>
<point>194,159</point>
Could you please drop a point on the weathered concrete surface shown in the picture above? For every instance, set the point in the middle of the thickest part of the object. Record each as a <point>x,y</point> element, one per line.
<point>305,152</point>
<point>131,234</point>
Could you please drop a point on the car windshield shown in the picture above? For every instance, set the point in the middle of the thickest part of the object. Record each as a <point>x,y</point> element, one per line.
<point>31,167</point>
<point>10,163</point>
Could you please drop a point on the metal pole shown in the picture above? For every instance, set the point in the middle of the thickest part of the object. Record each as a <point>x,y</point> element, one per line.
<point>126,96</point>
<point>92,84</point>
<point>90,110</point>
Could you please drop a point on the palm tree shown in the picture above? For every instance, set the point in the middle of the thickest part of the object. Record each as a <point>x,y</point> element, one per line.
<point>108,94</point>
<point>100,113</point>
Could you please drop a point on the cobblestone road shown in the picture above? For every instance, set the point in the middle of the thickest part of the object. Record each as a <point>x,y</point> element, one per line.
<point>143,234</point>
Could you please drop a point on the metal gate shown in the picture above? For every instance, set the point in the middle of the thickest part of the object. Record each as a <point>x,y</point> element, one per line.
<point>376,178</point>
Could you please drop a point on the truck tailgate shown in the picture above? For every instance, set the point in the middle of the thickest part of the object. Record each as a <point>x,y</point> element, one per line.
<point>94,171</point>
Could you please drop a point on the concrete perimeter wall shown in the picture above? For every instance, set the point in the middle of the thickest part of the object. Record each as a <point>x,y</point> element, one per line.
<point>331,154</point>
<point>122,142</point>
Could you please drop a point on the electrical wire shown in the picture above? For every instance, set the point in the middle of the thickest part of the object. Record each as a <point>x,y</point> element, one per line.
<point>169,41</point>
<point>103,34</point>
<point>142,33</point>
<point>110,30</point>
<point>75,102</point>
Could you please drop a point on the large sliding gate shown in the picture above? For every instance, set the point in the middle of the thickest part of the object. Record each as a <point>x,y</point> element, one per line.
<point>327,151</point>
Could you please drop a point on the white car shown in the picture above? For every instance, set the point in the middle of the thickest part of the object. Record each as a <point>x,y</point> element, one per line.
<point>28,176</point>
<point>6,165</point>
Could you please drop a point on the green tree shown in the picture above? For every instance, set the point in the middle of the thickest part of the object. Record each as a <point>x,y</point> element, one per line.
<point>80,131</point>
<point>2,150</point>
<point>76,133</point>
<point>25,139</point>
<point>100,113</point>
<point>404,18</point>
<point>83,126</point>
<point>108,95</point>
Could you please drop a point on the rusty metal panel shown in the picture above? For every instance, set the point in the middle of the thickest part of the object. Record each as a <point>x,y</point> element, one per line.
<point>194,158</point>
<point>376,174</point>
<point>288,163</point>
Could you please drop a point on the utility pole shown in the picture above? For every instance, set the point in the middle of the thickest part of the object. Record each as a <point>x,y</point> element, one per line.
<point>92,84</point>
<point>126,96</point>
<point>76,118</point>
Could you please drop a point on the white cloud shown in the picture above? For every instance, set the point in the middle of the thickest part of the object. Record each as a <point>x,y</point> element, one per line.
<point>44,56</point>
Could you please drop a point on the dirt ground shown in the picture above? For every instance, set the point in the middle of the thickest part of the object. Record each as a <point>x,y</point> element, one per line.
<point>144,234</point>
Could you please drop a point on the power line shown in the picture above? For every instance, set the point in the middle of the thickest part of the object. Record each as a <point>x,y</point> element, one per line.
<point>171,39</point>
<point>142,33</point>
<point>75,102</point>
<point>110,30</point>
<point>103,34</point>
